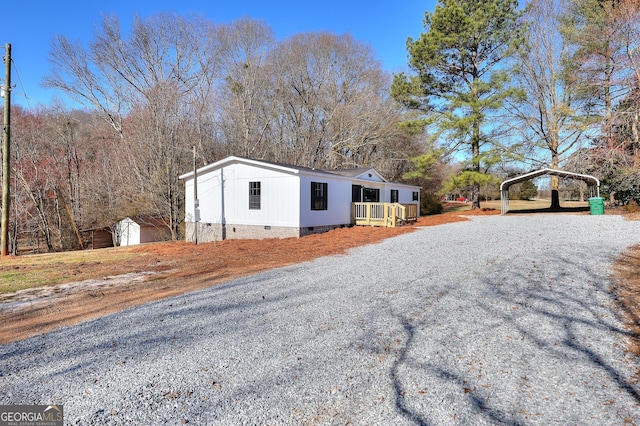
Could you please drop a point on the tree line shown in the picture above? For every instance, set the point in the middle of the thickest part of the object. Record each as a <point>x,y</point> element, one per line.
<point>492,89</point>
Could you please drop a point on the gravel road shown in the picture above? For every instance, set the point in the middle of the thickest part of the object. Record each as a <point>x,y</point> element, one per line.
<point>497,320</point>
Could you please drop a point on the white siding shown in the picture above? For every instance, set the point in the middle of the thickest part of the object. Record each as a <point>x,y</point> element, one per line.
<point>405,194</point>
<point>278,196</point>
<point>338,201</point>
<point>188,199</point>
<point>229,203</point>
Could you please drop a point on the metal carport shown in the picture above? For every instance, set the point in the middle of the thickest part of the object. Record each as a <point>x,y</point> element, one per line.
<point>591,181</point>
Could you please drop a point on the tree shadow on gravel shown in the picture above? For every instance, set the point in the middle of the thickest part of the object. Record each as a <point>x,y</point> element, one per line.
<point>578,311</point>
<point>401,406</point>
<point>567,312</point>
<point>398,346</point>
<point>481,405</point>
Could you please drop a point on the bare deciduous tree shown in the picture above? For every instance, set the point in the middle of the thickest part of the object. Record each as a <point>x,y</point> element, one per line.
<point>334,108</point>
<point>553,118</point>
<point>245,95</point>
<point>605,38</point>
<point>154,88</point>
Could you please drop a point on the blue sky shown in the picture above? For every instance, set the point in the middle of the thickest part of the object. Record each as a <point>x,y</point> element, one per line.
<point>31,25</point>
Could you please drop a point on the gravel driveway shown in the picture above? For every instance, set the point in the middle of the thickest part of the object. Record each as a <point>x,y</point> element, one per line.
<point>498,320</point>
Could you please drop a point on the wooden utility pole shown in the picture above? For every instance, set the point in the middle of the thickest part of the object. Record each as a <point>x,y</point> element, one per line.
<point>6,169</point>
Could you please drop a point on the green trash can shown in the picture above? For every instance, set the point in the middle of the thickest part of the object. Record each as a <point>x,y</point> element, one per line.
<point>596,205</point>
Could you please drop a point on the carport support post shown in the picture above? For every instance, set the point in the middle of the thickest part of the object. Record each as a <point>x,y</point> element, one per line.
<point>555,192</point>
<point>504,200</point>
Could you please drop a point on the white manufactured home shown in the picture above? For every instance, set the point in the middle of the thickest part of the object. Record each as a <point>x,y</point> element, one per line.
<point>243,198</point>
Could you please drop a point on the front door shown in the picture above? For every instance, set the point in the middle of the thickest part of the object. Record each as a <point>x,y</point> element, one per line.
<point>356,193</point>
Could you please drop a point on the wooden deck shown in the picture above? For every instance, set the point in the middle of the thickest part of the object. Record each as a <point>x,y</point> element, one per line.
<point>383,214</point>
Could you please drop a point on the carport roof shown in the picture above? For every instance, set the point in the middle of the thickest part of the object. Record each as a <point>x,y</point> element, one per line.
<point>590,180</point>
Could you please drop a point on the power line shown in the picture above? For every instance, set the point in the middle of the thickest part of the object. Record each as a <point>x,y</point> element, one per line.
<point>24,93</point>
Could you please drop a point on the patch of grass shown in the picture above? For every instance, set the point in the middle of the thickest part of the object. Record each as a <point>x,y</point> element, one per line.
<point>22,272</point>
<point>456,207</point>
<point>11,281</point>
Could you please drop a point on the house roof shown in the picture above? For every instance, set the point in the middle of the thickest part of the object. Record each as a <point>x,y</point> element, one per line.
<point>356,173</point>
<point>300,168</point>
<point>148,220</point>
<point>351,172</point>
<point>260,163</point>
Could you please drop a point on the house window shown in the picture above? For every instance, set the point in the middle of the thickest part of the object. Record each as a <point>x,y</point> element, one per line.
<point>318,196</point>
<point>394,195</point>
<point>254,195</point>
<point>371,195</point>
<point>415,195</point>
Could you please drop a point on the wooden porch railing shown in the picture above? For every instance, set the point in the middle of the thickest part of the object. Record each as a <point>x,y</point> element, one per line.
<point>383,214</point>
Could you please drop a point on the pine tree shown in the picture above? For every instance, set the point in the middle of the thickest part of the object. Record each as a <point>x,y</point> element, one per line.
<point>460,79</point>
